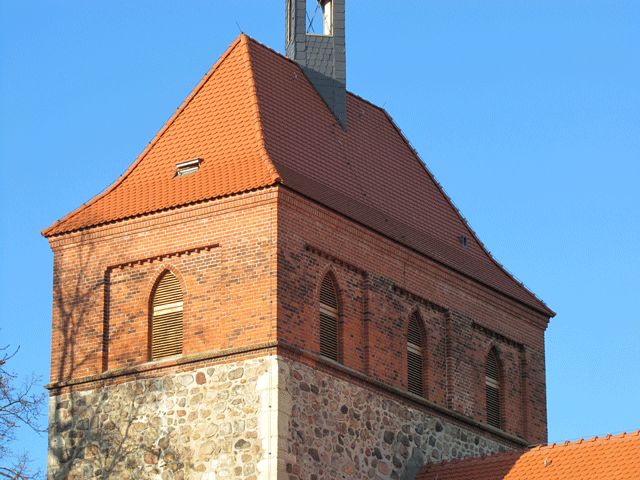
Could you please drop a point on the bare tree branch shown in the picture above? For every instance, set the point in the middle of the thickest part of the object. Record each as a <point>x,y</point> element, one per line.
<point>20,406</point>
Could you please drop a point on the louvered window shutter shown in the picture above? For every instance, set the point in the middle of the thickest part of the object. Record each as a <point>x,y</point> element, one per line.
<point>492,382</point>
<point>329,316</point>
<point>166,324</point>
<point>415,360</point>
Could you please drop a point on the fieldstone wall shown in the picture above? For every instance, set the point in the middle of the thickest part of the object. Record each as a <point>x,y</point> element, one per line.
<point>211,423</point>
<point>264,418</point>
<point>339,430</point>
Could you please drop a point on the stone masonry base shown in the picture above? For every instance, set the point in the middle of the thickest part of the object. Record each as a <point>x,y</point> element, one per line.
<point>264,418</point>
<point>340,430</point>
<point>212,423</point>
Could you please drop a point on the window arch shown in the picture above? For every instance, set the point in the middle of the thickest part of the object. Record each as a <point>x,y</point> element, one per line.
<point>415,355</point>
<point>492,387</point>
<point>166,317</point>
<point>329,318</point>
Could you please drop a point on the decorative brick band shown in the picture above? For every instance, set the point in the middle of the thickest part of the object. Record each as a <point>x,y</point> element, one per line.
<point>333,258</point>
<point>417,298</point>
<point>162,256</point>
<point>396,288</point>
<point>497,336</point>
<point>154,366</point>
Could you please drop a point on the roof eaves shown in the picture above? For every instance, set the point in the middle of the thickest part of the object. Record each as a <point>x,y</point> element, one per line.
<point>413,248</point>
<point>472,461</point>
<point>167,209</point>
<point>542,305</point>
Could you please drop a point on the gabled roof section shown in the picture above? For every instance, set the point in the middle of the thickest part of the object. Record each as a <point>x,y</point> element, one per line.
<point>256,120</point>
<point>218,122</point>
<point>607,458</point>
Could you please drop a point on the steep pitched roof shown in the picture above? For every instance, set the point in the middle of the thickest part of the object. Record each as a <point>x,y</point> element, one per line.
<point>256,120</point>
<point>607,458</point>
<point>219,122</point>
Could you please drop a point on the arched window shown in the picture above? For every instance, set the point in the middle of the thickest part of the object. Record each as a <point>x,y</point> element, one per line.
<point>166,317</point>
<point>415,358</point>
<point>329,317</point>
<point>492,385</point>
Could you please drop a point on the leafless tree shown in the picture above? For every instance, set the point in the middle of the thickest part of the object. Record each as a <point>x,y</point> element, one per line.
<point>20,405</point>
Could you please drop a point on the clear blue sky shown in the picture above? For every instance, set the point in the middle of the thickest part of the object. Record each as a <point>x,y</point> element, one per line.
<point>528,112</point>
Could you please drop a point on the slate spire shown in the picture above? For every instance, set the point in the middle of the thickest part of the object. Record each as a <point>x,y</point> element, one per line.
<point>321,55</point>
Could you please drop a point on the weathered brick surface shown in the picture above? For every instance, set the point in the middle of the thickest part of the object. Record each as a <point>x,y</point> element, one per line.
<point>380,285</point>
<point>103,280</point>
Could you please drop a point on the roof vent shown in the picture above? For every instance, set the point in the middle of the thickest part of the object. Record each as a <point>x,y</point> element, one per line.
<point>464,240</point>
<point>188,167</point>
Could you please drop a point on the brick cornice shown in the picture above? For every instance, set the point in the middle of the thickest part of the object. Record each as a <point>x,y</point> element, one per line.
<point>164,218</point>
<point>497,336</point>
<point>417,298</point>
<point>134,372</point>
<point>334,259</point>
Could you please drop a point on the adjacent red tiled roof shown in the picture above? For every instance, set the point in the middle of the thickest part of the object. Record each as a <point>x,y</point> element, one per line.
<point>607,458</point>
<point>256,120</point>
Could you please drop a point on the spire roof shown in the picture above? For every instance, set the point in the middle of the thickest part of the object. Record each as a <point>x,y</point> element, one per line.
<point>255,121</point>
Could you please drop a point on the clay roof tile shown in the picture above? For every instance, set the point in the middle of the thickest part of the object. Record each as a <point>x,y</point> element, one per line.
<point>606,458</point>
<point>256,121</point>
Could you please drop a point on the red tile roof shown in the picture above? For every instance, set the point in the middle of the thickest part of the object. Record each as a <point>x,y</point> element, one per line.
<point>256,121</point>
<point>607,458</point>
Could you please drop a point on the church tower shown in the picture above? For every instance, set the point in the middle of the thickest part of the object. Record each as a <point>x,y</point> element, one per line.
<point>277,288</point>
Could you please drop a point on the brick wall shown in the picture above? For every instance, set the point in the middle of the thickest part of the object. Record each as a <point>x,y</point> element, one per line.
<point>232,256</point>
<point>380,284</point>
<point>223,254</point>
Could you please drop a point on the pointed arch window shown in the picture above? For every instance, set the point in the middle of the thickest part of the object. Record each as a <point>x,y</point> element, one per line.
<point>492,386</point>
<point>329,317</point>
<point>166,317</point>
<point>415,355</point>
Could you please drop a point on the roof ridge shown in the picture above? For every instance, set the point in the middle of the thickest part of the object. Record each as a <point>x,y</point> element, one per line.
<point>153,141</point>
<point>293,62</point>
<point>594,439</point>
